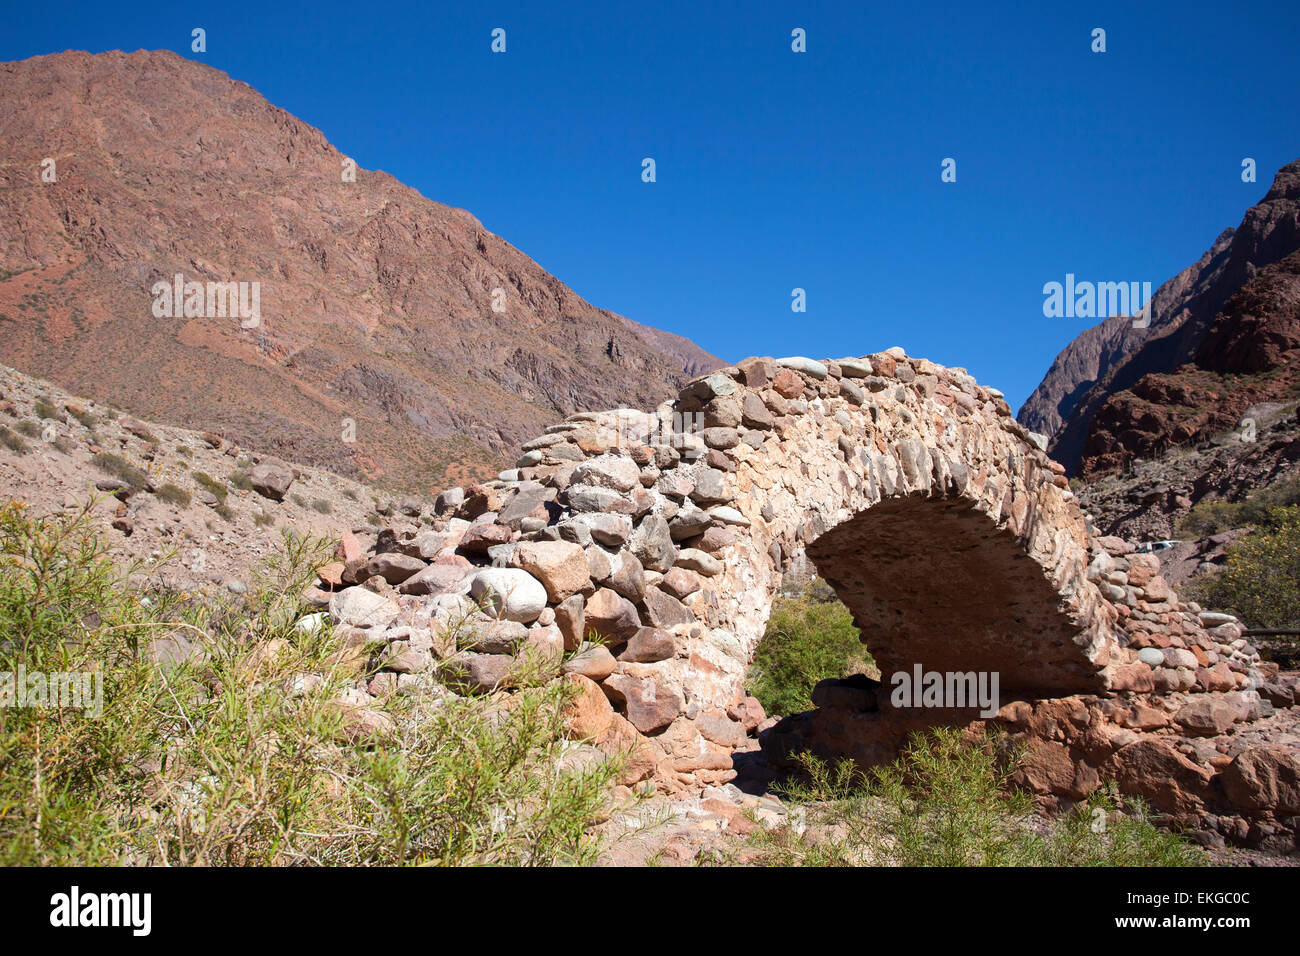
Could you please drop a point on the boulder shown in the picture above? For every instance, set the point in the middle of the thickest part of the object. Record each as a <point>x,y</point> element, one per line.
<point>561,566</point>
<point>652,543</point>
<point>611,615</point>
<point>510,593</point>
<point>594,662</point>
<point>393,566</point>
<point>271,478</point>
<point>649,644</point>
<point>363,608</point>
<point>1263,779</point>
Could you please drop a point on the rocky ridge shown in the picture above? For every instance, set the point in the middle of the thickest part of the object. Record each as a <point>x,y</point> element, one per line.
<point>1113,356</point>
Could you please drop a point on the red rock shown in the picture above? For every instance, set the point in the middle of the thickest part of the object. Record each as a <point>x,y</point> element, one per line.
<point>611,615</point>
<point>1153,769</point>
<point>650,704</point>
<point>587,711</point>
<point>480,537</point>
<point>1264,779</point>
<point>561,566</point>
<point>787,383</point>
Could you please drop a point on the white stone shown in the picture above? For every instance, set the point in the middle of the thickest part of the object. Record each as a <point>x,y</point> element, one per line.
<point>510,593</point>
<point>729,515</point>
<point>358,607</point>
<point>803,364</point>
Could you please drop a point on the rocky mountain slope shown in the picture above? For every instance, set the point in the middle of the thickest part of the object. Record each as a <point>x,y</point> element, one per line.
<point>198,514</point>
<point>385,318</point>
<point>1114,356</point>
<point>1247,358</point>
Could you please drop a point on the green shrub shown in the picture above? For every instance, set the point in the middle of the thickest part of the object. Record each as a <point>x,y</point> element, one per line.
<point>809,638</point>
<point>173,495</point>
<point>214,761</point>
<point>224,510</point>
<point>209,484</point>
<point>240,480</point>
<point>1211,516</point>
<point>121,469</point>
<point>948,801</point>
<point>1261,582</point>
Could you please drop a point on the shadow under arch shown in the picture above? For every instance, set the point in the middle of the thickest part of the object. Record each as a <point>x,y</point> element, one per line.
<point>934,581</point>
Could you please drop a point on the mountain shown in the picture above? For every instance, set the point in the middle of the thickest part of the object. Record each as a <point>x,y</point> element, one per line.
<point>1249,357</point>
<point>384,316</point>
<point>1113,356</point>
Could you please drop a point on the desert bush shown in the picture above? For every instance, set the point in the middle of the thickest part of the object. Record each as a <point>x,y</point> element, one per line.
<point>222,758</point>
<point>809,637</point>
<point>29,428</point>
<point>322,506</point>
<point>86,419</point>
<point>173,495</point>
<point>121,469</point>
<point>240,480</point>
<point>44,408</point>
<point>298,499</point>
<point>209,484</point>
<point>1261,582</point>
<point>948,801</point>
<point>1211,516</point>
<point>262,519</point>
<point>12,440</point>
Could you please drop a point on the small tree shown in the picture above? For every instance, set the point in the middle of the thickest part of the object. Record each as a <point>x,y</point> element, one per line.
<point>1261,583</point>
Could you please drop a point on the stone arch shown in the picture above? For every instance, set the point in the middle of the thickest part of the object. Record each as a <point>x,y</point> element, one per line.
<point>919,472</point>
<point>940,521</point>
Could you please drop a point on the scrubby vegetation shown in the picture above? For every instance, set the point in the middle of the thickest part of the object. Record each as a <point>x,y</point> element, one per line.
<point>121,469</point>
<point>810,636</point>
<point>209,484</point>
<point>1261,583</point>
<point>12,440</point>
<point>173,495</point>
<point>86,419</point>
<point>948,801</point>
<point>1213,516</point>
<point>227,755</point>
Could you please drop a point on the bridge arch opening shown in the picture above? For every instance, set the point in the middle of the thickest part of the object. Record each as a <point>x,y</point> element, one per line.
<point>935,582</point>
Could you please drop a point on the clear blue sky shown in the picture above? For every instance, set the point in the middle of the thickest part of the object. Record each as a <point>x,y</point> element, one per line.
<point>779,170</point>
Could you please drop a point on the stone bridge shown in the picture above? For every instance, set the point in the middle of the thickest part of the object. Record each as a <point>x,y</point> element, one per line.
<point>653,543</point>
